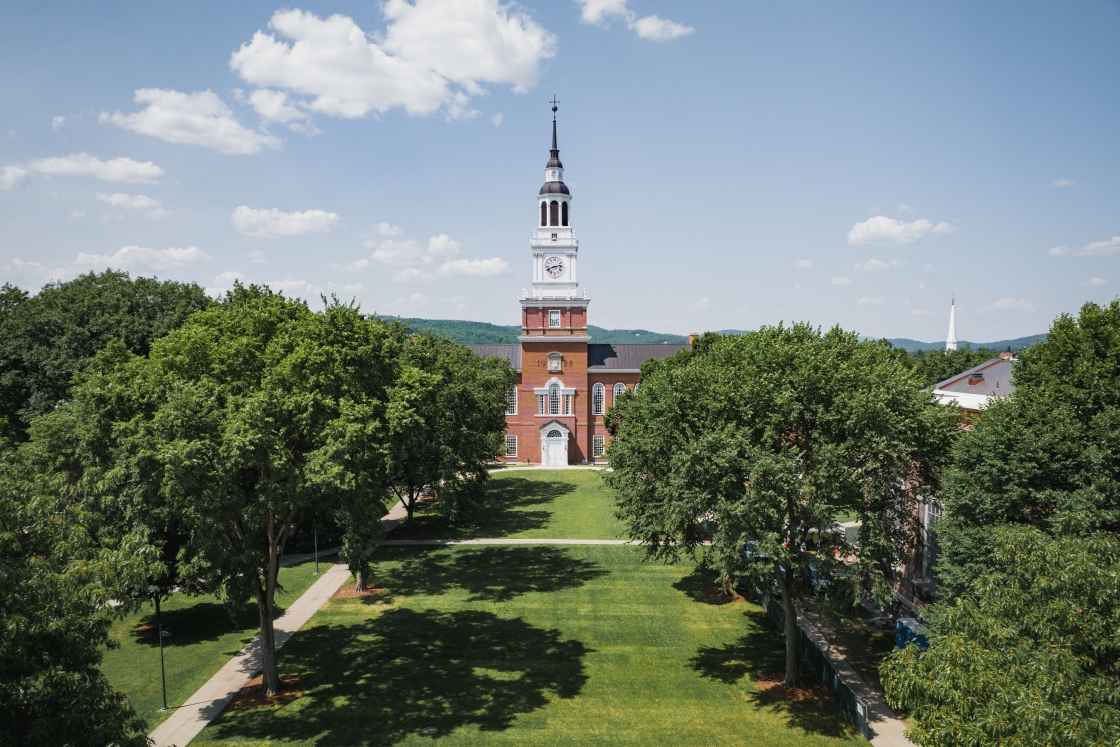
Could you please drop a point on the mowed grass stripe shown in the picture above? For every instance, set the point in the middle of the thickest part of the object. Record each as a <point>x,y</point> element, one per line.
<point>537,504</point>
<point>533,645</point>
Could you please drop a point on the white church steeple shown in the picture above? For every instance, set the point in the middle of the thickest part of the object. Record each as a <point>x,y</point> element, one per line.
<point>554,245</point>
<point>951,340</point>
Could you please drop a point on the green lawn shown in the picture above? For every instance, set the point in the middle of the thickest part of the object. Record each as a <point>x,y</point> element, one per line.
<point>536,504</point>
<point>534,645</point>
<point>204,637</point>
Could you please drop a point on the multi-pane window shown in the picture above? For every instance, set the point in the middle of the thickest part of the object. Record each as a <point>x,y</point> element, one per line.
<point>598,399</point>
<point>511,446</point>
<point>598,446</point>
<point>635,388</point>
<point>511,401</point>
<point>619,389</point>
<point>554,400</point>
<point>931,550</point>
<point>554,317</point>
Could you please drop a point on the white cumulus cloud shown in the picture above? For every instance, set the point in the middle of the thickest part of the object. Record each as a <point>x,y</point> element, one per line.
<point>841,281</point>
<point>432,54</point>
<point>801,264</point>
<point>83,164</point>
<point>650,27</point>
<point>904,208</point>
<point>295,288</point>
<point>880,230</point>
<point>1100,248</point>
<point>273,223</point>
<point>871,265</point>
<point>411,262</point>
<point>129,257</point>
<point>474,268</point>
<point>1063,183</point>
<point>256,257</point>
<point>224,283</point>
<point>1010,304</point>
<point>199,118</point>
<point>1095,249</point>
<point>1095,282</point>
<point>133,202</point>
<point>56,123</point>
<point>388,230</point>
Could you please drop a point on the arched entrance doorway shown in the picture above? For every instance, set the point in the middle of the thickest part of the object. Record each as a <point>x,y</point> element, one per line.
<point>554,445</point>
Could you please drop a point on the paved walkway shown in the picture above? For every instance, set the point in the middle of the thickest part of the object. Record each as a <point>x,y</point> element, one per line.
<point>886,727</point>
<point>208,701</point>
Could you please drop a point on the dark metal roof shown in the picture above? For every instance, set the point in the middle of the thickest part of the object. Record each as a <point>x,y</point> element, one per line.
<point>611,357</point>
<point>995,370</point>
<point>554,188</point>
<point>511,353</point>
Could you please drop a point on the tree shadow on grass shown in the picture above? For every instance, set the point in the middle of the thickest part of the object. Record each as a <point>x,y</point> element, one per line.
<point>489,573</point>
<point>386,678</point>
<point>697,584</point>
<point>504,511</point>
<point>198,622</point>
<point>761,650</point>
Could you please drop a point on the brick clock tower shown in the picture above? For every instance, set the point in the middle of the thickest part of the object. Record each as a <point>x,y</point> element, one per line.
<point>554,325</point>
<point>565,384</point>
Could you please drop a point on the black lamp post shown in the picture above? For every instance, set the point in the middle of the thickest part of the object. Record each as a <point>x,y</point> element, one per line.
<point>162,673</point>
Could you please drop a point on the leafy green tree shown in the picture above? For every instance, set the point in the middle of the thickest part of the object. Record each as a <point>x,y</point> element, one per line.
<point>1047,457</point>
<point>56,579</point>
<point>46,339</point>
<point>1027,655</point>
<point>759,441</point>
<point>252,414</point>
<point>934,366</point>
<point>447,419</point>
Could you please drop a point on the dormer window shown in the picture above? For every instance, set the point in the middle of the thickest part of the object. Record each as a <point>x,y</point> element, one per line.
<point>554,317</point>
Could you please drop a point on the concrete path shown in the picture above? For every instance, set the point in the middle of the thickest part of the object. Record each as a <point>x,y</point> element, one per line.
<point>886,726</point>
<point>510,542</point>
<point>525,467</point>
<point>208,701</point>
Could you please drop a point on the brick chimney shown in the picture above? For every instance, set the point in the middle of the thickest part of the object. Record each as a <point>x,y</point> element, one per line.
<point>692,338</point>
<point>1007,355</point>
<point>976,377</point>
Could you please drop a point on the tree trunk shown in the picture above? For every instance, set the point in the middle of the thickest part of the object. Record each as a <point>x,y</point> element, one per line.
<point>359,582</point>
<point>793,658</point>
<point>270,675</point>
<point>410,500</point>
<point>266,596</point>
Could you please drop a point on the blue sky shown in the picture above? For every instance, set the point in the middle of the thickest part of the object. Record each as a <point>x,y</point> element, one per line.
<point>733,164</point>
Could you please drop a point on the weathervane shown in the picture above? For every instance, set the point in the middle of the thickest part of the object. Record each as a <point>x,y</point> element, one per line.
<point>554,102</point>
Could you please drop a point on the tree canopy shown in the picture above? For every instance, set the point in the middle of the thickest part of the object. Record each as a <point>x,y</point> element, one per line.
<point>56,579</point>
<point>45,339</point>
<point>1027,655</point>
<point>253,413</point>
<point>1047,457</point>
<point>759,441</point>
<point>446,418</point>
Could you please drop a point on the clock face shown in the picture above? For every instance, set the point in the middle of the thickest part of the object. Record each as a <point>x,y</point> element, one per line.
<point>554,266</point>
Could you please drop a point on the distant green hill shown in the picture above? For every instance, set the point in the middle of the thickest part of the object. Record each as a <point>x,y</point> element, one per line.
<point>911,346</point>
<point>481,333</point>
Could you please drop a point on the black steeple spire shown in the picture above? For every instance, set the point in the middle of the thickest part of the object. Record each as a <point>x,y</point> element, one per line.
<point>554,161</point>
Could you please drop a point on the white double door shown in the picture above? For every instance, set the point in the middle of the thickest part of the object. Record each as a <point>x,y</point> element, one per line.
<point>554,448</point>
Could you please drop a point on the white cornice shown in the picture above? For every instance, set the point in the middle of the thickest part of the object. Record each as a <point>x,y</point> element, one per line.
<point>553,338</point>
